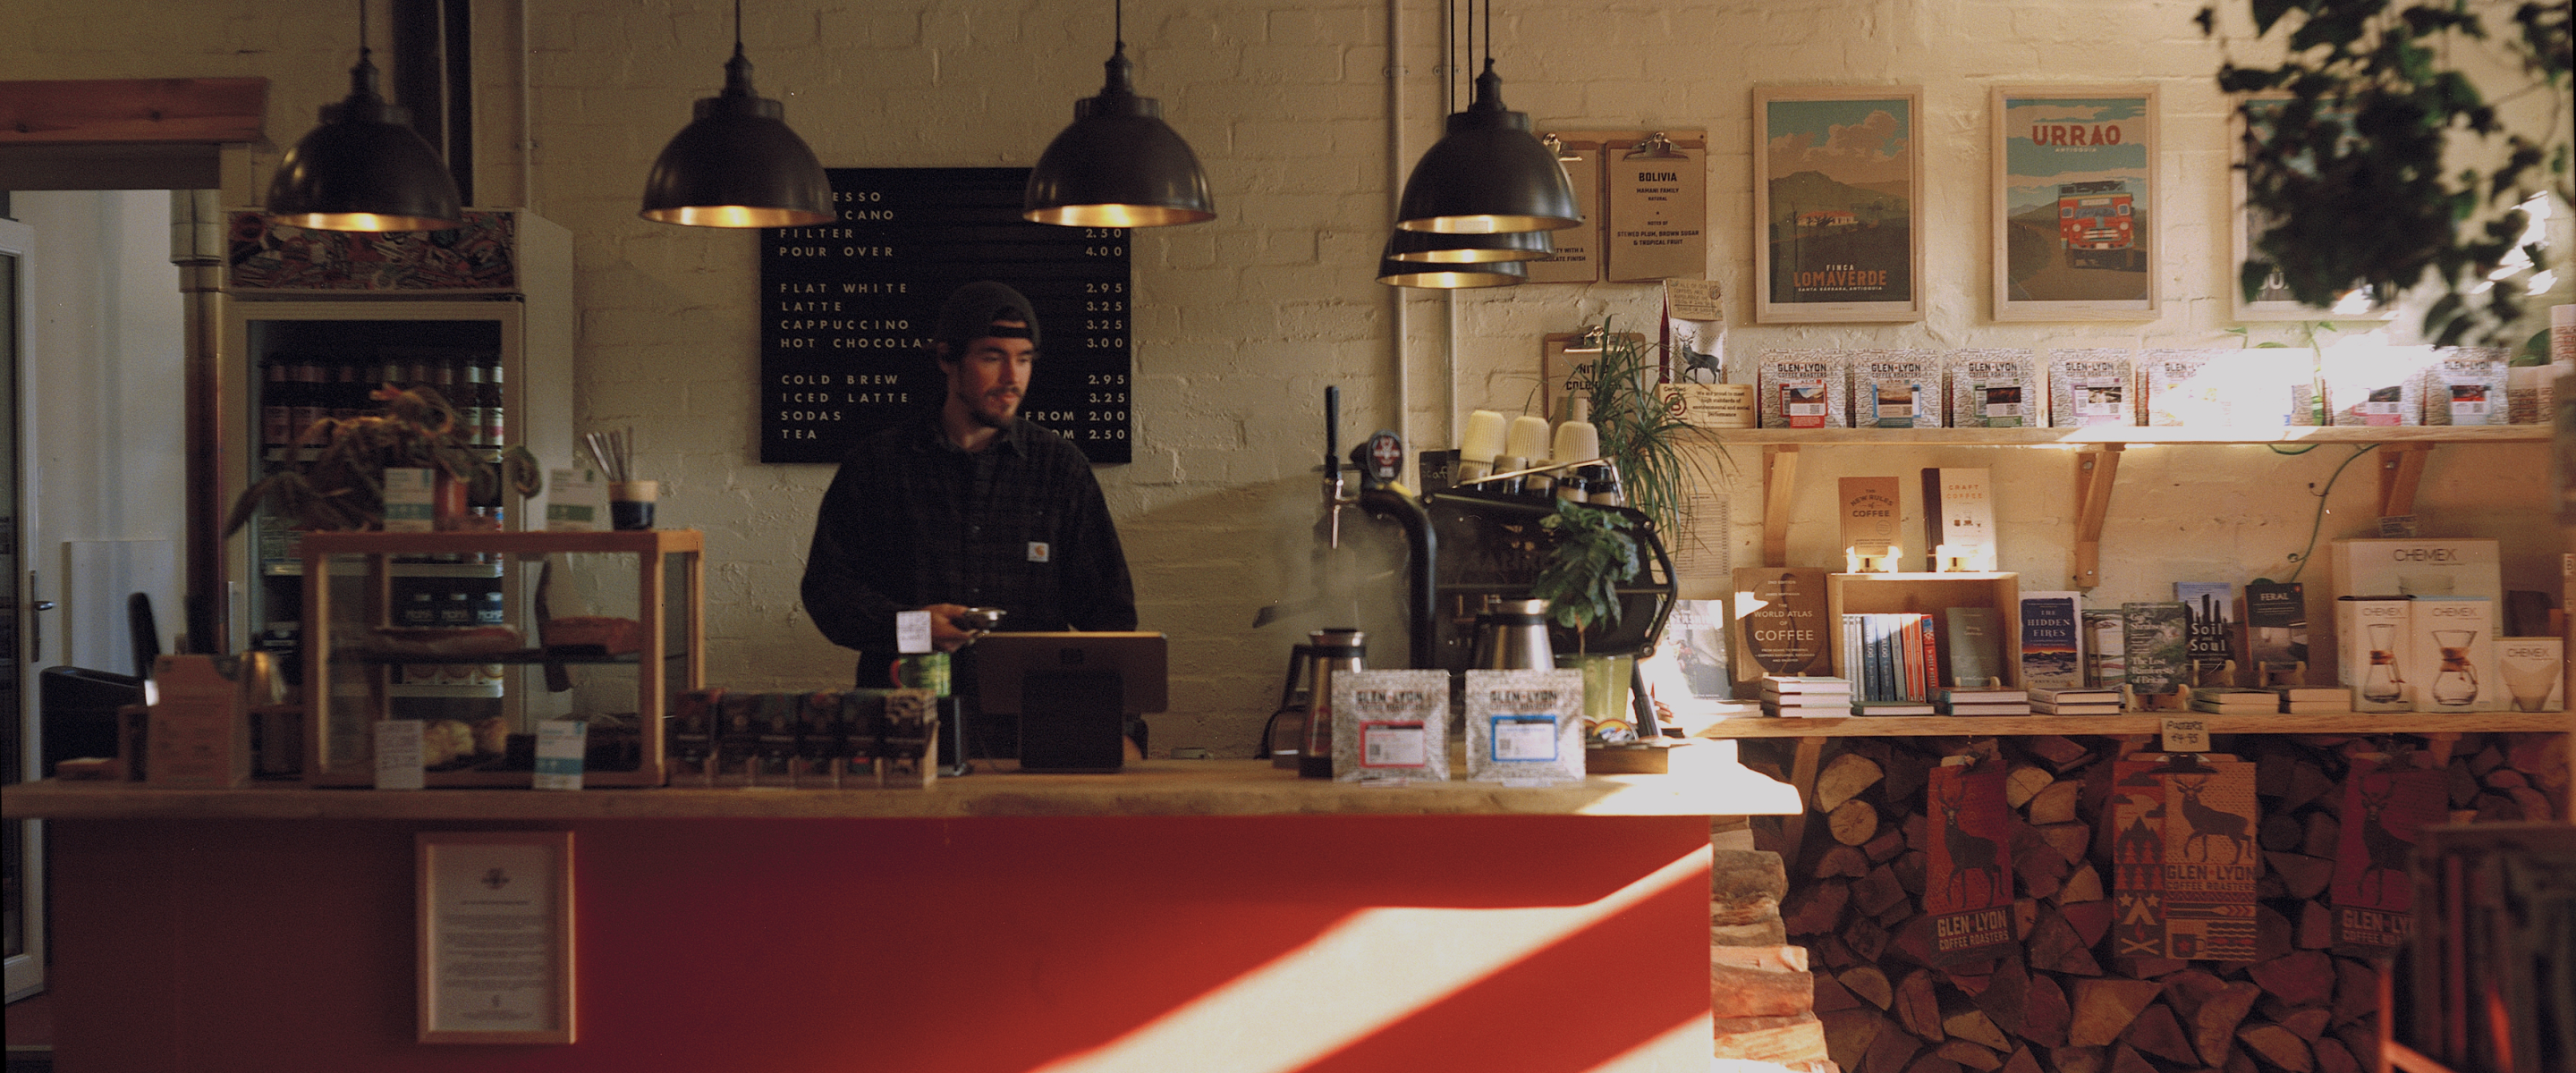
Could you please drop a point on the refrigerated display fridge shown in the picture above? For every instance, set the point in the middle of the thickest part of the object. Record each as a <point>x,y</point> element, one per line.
<point>313,321</point>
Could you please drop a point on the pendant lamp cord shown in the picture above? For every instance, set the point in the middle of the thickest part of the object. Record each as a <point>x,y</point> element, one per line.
<point>737,27</point>
<point>1117,24</point>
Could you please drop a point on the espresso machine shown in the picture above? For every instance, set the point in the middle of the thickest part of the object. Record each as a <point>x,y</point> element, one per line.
<point>1477,544</point>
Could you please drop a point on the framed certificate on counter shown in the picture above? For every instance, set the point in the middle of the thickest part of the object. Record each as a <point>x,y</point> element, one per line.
<point>495,936</point>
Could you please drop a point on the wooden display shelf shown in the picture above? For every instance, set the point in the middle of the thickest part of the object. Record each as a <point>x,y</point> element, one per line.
<point>2134,435</point>
<point>1763,726</point>
<point>2097,463</point>
<point>656,676</point>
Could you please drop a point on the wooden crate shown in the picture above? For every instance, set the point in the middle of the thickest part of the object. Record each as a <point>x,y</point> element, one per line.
<point>1927,594</point>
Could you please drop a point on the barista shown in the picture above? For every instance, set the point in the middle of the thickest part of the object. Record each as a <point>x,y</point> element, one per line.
<point>968,506</point>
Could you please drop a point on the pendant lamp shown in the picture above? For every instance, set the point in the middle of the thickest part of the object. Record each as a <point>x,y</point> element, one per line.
<point>737,164</point>
<point>1448,277</point>
<point>1118,164</point>
<point>1424,247</point>
<point>1488,174</point>
<point>364,168</point>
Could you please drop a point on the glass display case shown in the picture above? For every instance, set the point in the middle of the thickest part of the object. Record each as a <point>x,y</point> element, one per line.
<point>384,637</point>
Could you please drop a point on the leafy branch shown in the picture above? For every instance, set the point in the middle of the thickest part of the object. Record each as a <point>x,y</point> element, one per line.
<point>1592,556</point>
<point>2349,171</point>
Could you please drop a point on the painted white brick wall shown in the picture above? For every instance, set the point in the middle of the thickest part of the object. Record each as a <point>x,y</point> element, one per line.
<point>1243,321</point>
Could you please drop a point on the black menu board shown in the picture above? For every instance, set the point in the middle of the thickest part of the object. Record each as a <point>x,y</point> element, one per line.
<point>847,308</point>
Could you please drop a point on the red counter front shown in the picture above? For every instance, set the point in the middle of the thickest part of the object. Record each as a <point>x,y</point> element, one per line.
<point>990,944</point>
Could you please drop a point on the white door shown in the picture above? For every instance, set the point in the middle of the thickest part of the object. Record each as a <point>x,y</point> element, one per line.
<point>22,898</point>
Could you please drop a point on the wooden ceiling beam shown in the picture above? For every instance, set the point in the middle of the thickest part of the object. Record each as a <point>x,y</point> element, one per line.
<point>133,111</point>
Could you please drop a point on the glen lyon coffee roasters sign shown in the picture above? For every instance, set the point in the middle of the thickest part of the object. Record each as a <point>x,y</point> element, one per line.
<point>846,308</point>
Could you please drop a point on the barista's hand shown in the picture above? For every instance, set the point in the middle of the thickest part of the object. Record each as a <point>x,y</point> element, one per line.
<point>944,634</point>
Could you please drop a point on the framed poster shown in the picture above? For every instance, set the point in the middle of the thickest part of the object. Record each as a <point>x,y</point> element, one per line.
<point>2272,301</point>
<point>2074,203</point>
<point>847,308</point>
<point>495,936</point>
<point>1836,171</point>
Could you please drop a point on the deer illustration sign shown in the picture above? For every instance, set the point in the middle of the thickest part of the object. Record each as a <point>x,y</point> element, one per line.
<point>2374,897</point>
<point>1968,882</point>
<point>2183,858</point>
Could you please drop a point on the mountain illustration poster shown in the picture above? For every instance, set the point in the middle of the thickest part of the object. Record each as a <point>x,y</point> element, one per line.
<point>2074,205</point>
<point>1837,177</point>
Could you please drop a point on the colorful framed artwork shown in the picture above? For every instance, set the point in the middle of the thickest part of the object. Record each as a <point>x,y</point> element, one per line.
<point>2272,302</point>
<point>495,928</point>
<point>1836,175</point>
<point>2075,203</point>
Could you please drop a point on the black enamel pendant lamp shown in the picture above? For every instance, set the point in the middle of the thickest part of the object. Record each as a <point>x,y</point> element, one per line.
<point>1451,277</point>
<point>1487,175</point>
<point>364,168</point>
<point>1118,164</point>
<point>1427,247</point>
<point>737,164</point>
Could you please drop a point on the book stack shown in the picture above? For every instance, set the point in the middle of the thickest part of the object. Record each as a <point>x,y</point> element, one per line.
<point>1891,657</point>
<point>1984,702</point>
<point>2075,701</point>
<point>1806,696</point>
<point>2313,700</point>
<point>2230,700</point>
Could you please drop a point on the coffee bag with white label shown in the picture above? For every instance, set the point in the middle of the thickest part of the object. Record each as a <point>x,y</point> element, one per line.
<point>1525,727</point>
<point>1391,726</point>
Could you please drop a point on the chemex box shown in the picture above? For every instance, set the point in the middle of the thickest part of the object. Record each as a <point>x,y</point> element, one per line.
<point>2452,659</point>
<point>2372,638</point>
<point>2416,568</point>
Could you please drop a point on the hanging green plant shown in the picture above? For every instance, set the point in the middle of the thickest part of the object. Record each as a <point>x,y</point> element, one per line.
<point>1591,557</point>
<point>2350,170</point>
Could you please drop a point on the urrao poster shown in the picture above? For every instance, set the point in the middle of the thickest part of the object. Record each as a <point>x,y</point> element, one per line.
<point>1837,177</point>
<point>2075,215</point>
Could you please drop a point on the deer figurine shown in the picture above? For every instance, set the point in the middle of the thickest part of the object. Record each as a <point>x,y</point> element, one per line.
<point>1968,853</point>
<point>2207,822</point>
<point>2388,853</point>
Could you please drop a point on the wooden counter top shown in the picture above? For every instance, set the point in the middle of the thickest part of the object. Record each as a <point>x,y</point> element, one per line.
<point>1707,783</point>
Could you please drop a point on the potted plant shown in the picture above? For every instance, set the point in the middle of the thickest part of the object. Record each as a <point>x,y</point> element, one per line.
<point>342,486</point>
<point>1639,432</point>
<point>1589,557</point>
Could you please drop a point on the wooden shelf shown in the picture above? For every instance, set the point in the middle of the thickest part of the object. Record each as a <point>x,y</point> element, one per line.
<point>2132,435</point>
<point>2097,460</point>
<point>1763,726</point>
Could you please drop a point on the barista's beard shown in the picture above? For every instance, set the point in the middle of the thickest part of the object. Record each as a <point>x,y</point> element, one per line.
<point>996,418</point>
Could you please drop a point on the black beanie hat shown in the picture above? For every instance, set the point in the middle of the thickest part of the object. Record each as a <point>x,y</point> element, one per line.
<point>971,311</point>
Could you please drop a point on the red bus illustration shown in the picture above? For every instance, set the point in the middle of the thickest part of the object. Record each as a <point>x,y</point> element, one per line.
<point>2098,226</point>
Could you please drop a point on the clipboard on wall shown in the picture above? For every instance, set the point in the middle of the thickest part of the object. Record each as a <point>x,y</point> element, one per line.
<point>1656,186</point>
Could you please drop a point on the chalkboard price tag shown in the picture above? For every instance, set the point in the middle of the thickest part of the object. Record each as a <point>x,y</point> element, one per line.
<point>847,310</point>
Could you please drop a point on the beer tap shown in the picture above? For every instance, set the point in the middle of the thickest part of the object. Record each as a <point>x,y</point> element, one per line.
<point>1336,495</point>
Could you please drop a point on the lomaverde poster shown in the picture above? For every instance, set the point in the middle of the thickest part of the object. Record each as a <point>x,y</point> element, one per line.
<point>1837,176</point>
<point>2075,215</point>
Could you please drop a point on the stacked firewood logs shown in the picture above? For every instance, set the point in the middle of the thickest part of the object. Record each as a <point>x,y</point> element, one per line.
<point>2055,1001</point>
